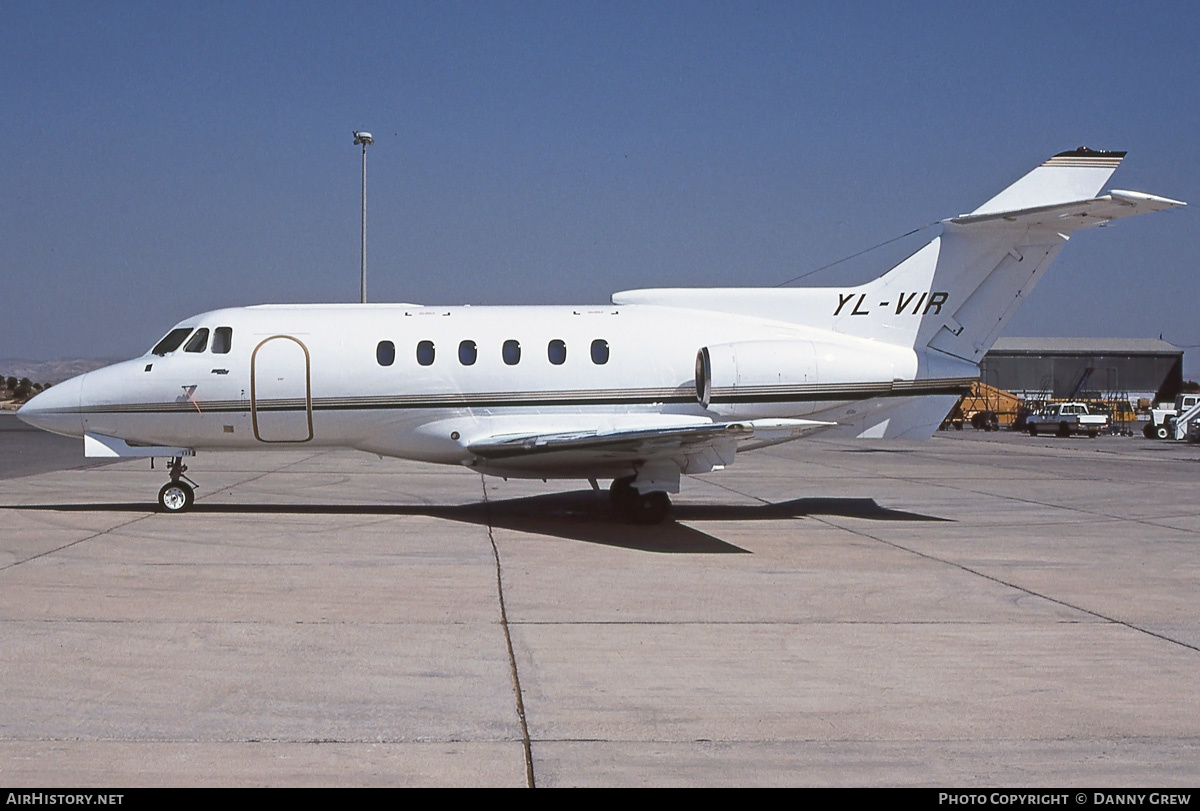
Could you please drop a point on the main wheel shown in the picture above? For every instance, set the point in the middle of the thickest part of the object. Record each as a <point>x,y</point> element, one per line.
<point>1148,431</point>
<point>175,497</point>
<point>637,508</point>
<point>1033,430</point>
<point>619,494</point>
<point>1161,432</point>
<point>1064,429</point>
<point>648,508</point>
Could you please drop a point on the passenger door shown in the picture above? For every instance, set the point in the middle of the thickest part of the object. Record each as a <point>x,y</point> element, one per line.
<point>281,390</point>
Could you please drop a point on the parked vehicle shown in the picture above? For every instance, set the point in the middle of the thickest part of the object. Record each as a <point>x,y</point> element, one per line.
<point>985,421</point>
<point>1161,424</point>
<point>1065,419</point>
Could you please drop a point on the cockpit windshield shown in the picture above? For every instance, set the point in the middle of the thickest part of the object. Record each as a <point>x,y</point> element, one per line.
<point>172,341</point>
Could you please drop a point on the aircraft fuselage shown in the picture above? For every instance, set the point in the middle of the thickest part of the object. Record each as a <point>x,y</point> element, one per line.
<point>425,383</point>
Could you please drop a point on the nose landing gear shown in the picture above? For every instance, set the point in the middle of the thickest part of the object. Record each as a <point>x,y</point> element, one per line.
<point>178,494</point>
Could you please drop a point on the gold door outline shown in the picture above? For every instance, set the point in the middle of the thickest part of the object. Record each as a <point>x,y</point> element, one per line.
<point>307,388</point>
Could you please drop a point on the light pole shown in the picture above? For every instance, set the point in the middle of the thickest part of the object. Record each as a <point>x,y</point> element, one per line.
<point>365,139</point>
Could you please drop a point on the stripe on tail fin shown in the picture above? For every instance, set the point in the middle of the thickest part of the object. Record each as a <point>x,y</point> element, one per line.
<point>1068,176</point>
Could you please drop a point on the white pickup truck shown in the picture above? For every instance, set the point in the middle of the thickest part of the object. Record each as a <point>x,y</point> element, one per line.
<point>1065,419</point>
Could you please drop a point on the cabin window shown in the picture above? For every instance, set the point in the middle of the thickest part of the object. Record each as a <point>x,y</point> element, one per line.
<point>512,352</point>
<point>425,353</point>
<point>171,341</point>
<point>556,350</point>
<point>468,353</point>
<point>199,341</point>
<point>222,340</point>
<point>385,353</point>
<point>599,351</point>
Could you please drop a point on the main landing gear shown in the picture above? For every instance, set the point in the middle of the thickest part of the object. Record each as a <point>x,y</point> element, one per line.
<point>637,508</point>
<point>176,495</point>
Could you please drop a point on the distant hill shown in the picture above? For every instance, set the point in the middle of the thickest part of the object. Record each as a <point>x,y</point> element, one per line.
<point>51,371</point>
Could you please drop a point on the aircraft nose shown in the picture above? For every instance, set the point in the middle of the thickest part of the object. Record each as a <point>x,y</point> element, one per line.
<point>57,408</point>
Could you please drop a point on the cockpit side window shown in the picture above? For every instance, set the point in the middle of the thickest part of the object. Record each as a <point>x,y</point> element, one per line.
<point>171,341</point>
<point>199,341</point>
<point>222,340</point>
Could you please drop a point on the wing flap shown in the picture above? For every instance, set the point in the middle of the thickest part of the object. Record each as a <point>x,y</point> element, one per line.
<point>647,443</point>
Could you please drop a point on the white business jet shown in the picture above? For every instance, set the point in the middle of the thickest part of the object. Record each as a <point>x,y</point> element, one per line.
<point>657,384</point>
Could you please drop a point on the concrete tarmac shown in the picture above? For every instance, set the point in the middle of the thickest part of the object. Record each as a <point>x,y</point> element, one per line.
<point>24,450</point>
<point>975,610</point>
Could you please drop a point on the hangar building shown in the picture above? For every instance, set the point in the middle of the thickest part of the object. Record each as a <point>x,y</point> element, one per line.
<point>1089,368</point>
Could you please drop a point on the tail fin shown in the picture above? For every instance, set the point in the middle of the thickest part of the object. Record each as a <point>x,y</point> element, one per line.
<point>958,292</point>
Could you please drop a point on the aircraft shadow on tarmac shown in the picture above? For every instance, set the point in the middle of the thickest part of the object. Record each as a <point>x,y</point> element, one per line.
<point>581,515</point>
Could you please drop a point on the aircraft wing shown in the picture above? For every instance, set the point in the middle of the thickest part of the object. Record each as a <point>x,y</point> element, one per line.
<point>697,448</point>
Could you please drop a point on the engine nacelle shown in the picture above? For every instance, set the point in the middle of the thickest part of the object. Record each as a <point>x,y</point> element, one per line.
<point>790,371</point>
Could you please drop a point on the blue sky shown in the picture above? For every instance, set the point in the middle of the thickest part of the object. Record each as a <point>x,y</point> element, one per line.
<point>161,159</point>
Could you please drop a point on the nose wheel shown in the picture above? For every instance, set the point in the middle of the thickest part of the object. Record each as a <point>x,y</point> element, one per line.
<point>179,494</point>
<point>175,497</point>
